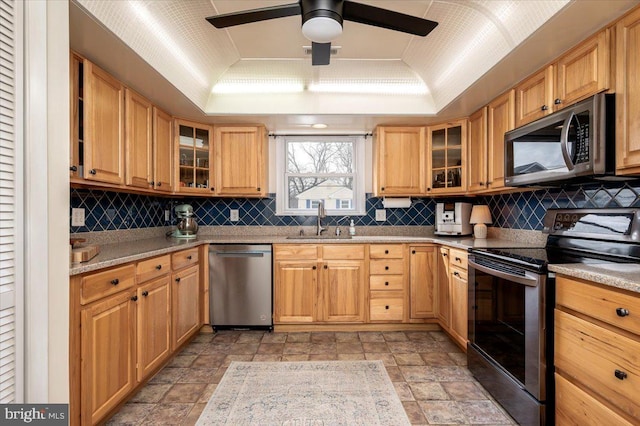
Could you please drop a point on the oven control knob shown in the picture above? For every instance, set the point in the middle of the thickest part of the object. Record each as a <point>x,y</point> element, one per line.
<point>558,225</point>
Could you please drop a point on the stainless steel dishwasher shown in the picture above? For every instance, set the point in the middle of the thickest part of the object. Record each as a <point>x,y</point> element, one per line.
<point>240,286</point>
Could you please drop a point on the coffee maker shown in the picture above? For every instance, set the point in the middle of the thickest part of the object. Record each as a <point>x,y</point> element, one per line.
<point>187,226</point>
<point>453,219</point>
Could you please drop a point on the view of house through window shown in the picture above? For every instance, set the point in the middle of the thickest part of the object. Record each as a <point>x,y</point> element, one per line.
<point>321,169</point>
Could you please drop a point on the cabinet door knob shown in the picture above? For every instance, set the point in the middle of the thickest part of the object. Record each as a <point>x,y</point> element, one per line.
<point>544,108</point>
<point>557,101</point>
<point>189,257</point>
<point>92,171</point>
<point>152,183</point>
<point>382,189</point>
<point>145,293</point>
<point>386,268</point>
<point>413,252</point>
<point>115,281</point>
<point>386,252</point>
<point>428,189</point>
<point>325,267</point>
<point>622,312</point>
<point>386,283</point>
<point>386,306</point>
<point>159,183</point>
<point>620,374</point>
<point>73,168</point>
<point>212,188</point>
<point>458,259</point>
<point>159,267</point>
<point>134,298</point>
<point>178,279</point>
<point>457,274</point>
<point>258,188</point>
<point>481,183</point>
<point>314,267</point>
<point>444,254</point>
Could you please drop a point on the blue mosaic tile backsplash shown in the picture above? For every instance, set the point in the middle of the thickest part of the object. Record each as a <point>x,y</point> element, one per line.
<point>105,211</point>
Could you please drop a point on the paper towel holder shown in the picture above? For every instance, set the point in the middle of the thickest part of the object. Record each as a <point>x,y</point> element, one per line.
<point>396,202</point>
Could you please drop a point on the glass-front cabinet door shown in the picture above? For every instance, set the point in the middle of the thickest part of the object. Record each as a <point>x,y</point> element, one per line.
<point>194,157</point>
<point>447,151</point>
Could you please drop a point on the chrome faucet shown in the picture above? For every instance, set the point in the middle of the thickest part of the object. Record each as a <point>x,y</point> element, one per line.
<point>321,215</point>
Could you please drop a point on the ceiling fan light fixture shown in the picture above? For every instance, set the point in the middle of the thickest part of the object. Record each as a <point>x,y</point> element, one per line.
<point>321,29</point>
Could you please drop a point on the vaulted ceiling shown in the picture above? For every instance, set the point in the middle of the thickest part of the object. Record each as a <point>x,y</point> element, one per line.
<point>261,72</point>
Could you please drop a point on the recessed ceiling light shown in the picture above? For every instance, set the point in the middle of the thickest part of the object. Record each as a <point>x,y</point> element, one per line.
<point>319,126</point>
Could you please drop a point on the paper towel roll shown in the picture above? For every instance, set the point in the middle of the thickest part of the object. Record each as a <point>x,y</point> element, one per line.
<point>398,202</point>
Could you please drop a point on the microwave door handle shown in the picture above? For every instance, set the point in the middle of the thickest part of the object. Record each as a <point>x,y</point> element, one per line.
<point>527,280</point>
<point>563,142</point>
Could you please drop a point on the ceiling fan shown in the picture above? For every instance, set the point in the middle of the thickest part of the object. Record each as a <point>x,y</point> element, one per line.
<point>322,21</point>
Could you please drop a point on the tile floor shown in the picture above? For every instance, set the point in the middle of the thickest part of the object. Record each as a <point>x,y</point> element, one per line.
<point>427,369</point>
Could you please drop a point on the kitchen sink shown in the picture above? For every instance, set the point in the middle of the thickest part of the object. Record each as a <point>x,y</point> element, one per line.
<point>319,237</point>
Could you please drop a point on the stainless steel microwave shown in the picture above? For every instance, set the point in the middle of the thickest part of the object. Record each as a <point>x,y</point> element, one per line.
<point>574,144</point>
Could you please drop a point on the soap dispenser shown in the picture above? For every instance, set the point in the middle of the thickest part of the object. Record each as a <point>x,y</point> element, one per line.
<point>352,228</point>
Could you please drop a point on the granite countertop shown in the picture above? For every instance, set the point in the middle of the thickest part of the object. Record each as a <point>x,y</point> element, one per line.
<point>118,253</point>
<point>620,275</point>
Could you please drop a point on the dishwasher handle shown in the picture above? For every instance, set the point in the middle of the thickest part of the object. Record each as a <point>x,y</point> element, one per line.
<point>240,253</point>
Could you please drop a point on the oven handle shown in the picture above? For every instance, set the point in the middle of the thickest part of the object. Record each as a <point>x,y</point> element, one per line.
<point>527,280</point>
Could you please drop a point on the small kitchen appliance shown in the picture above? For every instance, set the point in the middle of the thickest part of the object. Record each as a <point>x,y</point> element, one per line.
<point>187,226</point>
<point>453,219</point>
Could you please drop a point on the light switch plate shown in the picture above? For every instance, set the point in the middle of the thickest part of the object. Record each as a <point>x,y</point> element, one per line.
<point>234,215</point>
<point>381,215</point>
<point>77,217</point>
<point>167,215</point>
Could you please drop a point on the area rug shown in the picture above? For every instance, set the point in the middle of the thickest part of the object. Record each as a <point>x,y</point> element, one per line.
<point>305,394</point>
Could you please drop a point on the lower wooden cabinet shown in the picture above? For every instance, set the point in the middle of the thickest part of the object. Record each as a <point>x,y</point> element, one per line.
<point>452,293</point>
<point>107,354</point>
<point>125,323</point>
<point>185,305</point>
<point>444,297</point>
<point>154,325</point>
<point>314,285</point>
<point>459,306</point>
<point>422,280</point>
<point>597,339</point>
<point>387,282</point>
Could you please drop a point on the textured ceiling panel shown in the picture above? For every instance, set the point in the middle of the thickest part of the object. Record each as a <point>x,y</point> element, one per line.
<point>173,37</point>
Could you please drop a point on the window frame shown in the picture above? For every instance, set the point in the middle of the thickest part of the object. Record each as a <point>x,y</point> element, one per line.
<point>358,207</point>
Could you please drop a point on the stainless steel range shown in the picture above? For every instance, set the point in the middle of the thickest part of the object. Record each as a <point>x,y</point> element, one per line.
<point>511,301</point>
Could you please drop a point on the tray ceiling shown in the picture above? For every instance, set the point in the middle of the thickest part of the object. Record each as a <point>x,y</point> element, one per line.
<point>262,68</point>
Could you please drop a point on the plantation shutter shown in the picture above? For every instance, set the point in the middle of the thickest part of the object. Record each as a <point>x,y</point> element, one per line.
<point>8,199</point>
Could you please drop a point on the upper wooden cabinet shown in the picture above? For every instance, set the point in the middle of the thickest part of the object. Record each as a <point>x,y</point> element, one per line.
<point>581,72</point>
<point>194,154</point>
<point>162,151</point>
<point>447,146</point>
<point>97,128</point>
<point>241,161</point>
<point>500,119</point>
<point>399,161</point>
<point>138,140</point>
<point>478,151</point>
<point>628,94</point>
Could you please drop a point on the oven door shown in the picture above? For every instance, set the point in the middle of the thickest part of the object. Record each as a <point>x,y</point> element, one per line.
<point>507,321</point>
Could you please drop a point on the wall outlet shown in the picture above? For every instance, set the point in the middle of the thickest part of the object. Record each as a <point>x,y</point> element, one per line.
<point>77,217</point>
<point>381,215</point>
<point>167,215</point>
<point>234,215</point>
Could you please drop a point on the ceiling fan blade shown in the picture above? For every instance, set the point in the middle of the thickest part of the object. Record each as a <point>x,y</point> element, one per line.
<point>384,18</point>
<point>255,15</point>
<point>320,53</point>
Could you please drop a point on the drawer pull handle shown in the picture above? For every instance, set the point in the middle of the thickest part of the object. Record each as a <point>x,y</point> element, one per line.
<point>145,293</point>
<point>115,281</point>
<point>178,279</point>
<point>386,268</point>
<point>189,257</point>
<point>457,274</point>
<point>134,298</point>
<point>386,307</point>
<point>444,254</point>
<point>159,267</point>
<point>325,267</point>
<point>622,312</point>
<point>152,183</point>
<point>386,252</point>
<point>386,283</point>
<point>413,252</point>
<point>620,374</point>
<point>458,259</point>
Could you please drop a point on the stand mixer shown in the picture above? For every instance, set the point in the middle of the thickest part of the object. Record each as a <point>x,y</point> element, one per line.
<point>187,226</point>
